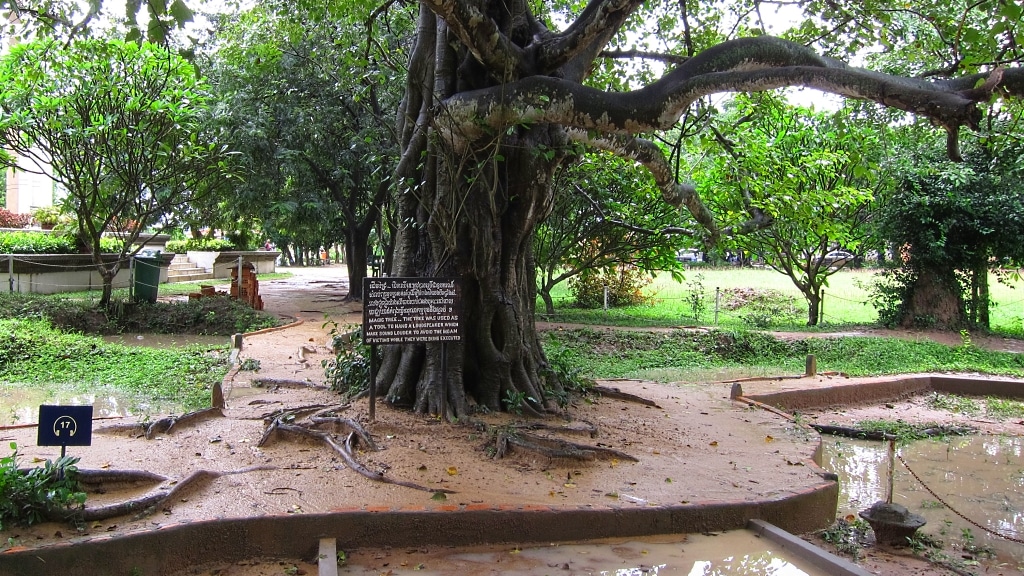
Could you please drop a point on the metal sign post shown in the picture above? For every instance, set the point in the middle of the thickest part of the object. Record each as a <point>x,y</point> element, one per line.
<point>64,426</point>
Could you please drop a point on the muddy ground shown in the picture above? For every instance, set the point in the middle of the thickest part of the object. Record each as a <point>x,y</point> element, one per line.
<point>692,444</point>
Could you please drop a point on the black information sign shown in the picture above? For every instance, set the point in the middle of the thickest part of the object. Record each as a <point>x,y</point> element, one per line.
<point>64,426</point>
<point>400,310</point>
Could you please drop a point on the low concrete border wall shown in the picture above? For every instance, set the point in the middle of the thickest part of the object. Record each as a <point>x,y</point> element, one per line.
<point>55,273</point>
<point>174,547</point>
<point>888,389</point>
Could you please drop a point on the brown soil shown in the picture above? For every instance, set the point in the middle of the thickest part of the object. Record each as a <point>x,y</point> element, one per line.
<point>694,445</point>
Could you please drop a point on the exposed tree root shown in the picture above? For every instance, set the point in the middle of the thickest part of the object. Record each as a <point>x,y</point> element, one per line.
<point>97,480</point>
<point>556,448</point>
<point>345,450</point>
<point>349,424</point>
<point>162,425</point>
<point>620,395</point>
<point>165,424</point>
<point>146,504</point>
<point>301,411</point>
<point>285,383</point>
<point>582,428</point>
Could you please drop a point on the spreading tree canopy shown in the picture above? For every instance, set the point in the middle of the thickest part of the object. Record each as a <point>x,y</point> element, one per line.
<point>499,93</point>
<point>812,174</point>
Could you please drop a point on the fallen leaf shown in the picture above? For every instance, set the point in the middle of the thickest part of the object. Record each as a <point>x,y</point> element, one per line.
<point>769,438</point>
<point>668,480</point>
<point>452,470</point>
<point>713,443</point>
<point>440,496</point>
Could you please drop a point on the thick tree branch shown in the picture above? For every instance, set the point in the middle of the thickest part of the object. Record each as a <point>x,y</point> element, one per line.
<point>682,195</point>
<point>589,32</point>
<point>679,194</point>
<point>481,35</point>
<point>673,59</point>
<point>746,65</point>
<point>666,231</point>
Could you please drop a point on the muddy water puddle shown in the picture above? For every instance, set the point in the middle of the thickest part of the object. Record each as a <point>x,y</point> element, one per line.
<point>20,406</point>
<point>981,477</point>
<point>726,554</point>
<point>167,340</point>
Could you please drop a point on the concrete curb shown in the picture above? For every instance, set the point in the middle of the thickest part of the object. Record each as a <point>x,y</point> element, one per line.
<point>830,563</point>
<point>172,547</point>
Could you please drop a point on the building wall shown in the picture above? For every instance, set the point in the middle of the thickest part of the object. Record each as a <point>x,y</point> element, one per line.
<point>26,191</point>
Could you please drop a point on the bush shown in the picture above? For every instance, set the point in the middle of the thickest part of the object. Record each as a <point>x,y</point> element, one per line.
<point>200,245</point>
<point>349,371</point>
<point>35,242</point>
<point>213,316</point>
<point>625,287</point>
<point>9,219</point>
<point>36,495</point>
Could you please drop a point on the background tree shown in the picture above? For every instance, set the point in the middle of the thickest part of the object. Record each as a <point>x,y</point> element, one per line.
<point>606,213</point>
<point>313,110</point>
<point>812,174</point>
<point>120,126</point>
<point>952,224</point>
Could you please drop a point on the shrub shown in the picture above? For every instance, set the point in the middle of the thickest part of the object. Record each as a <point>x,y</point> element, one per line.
<point>9,219</point>
<point>200,245</point>
<point>36,242</point>
<point>36,495</point>
<point>625,287</point>
<point>349,371</point>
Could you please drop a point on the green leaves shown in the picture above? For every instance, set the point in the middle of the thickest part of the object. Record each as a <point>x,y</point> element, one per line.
<point>38,494</point>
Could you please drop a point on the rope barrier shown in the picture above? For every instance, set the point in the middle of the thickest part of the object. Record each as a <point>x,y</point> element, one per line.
<point>954,510</point>
<point>35,262</point>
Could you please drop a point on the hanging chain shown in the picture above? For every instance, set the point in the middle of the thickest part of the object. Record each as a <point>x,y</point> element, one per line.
<point>954,510</point>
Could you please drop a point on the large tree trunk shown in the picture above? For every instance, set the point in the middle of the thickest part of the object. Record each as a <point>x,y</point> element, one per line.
<point>935,300</point>
<point>469,211</point>
<point>356,253</point>
<point>486,242</point>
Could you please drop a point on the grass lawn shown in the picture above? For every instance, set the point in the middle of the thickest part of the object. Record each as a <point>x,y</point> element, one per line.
<point>846,302</point>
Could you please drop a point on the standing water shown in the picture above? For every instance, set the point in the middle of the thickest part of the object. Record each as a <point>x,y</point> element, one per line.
<point>977,477</point>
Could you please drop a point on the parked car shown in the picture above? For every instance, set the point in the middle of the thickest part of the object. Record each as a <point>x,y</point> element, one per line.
<point>838,258</point>
<point>689,255</point>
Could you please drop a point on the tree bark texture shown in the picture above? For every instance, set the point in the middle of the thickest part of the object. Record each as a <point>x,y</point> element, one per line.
<point>935,300</point>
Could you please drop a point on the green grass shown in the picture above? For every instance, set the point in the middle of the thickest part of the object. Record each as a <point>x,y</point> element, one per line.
<point>845,304</point>
<point>35,355</point>
<point>703,356</point>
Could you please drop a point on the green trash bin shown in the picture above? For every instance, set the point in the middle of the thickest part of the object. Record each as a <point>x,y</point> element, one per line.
<point>147,279</point>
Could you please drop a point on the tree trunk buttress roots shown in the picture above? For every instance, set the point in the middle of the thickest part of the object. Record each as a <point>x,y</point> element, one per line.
<point>474,220</point>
